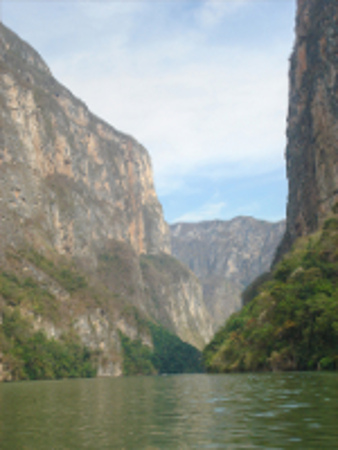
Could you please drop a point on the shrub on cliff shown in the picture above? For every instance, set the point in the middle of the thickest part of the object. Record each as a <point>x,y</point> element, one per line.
<point>31,355</point>
<point>292,323</point>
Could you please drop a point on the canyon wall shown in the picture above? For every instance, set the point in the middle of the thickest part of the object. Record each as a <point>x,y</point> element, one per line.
<point>290,322</point>
<point>312,131</point>
<point>226,256</point>
<point>65,174</point>
<point>80,221</point>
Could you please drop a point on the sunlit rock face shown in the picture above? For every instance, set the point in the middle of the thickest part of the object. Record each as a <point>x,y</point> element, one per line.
<point>226,256</point>
<point>312,149</point>
<point>66,172</point>
<point>73,187</point>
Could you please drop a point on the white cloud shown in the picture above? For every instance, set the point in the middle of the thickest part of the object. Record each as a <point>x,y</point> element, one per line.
<point>107,10</point>
<point>214,11</point>
<point>200,116</point>
<point>202,106</point>
<point>209,211</point>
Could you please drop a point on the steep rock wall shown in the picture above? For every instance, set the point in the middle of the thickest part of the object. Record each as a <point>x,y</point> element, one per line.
<point>226,256</point>
<point>175,297</point>
<point>77,202</point>
<point>66,176</point>
<point>312,149</point>
<point>160,288</point>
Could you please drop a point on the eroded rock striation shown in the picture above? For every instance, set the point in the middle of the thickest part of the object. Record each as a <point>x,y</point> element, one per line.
<point>80,220</point>
<point>226,256</point>
<point>312,149</point>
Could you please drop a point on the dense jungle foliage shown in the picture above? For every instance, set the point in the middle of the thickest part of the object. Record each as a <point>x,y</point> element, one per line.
<point>169,354</point>
<point>26,353</point>
<point>31,355</point>
<point>292,323</point>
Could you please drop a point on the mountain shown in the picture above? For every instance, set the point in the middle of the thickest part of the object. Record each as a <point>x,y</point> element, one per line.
<point>67,176</point>
<point>291,323</point>
<point>84,248</point>
<point>311,154</point>
<point>226,256</point>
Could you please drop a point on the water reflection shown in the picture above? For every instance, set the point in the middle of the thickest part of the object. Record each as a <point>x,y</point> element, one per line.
<point>274,411</point>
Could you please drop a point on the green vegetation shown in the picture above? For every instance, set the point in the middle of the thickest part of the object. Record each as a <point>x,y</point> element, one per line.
<point>253,289</point>
<point>64,272</point>
<point>292,323</point>
<point>25,352</point>
<point>172,355</point>
<point>118,268</point>
<point>137,358</point>
<point>26,292</point>
<point>165,264</point>
<point>169,354</point>
<point>31,355</point>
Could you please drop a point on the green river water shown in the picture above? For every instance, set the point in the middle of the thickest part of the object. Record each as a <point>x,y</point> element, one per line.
<point>253,411</point>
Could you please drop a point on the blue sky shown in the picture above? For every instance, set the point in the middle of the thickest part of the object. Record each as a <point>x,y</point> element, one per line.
<point>202,84</point>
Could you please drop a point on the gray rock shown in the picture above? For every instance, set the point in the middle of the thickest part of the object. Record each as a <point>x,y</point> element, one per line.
<point>312,148</point>
<point>226,256</point>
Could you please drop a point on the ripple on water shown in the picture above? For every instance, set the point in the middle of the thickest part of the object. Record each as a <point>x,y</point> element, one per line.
<point>267,411</point>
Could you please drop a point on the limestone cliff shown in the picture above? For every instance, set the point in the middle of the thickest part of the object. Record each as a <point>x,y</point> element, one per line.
<point>64,171</point>
<point>176,298</point>
<point>81,225</point>
<point>312,149</point>
<point>226,256</point>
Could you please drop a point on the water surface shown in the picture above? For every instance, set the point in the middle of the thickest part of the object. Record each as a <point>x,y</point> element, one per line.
<point>270,411</point>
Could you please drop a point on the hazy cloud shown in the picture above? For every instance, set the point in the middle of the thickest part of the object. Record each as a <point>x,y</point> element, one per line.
<point>212,12</point>
<point>192,116</point>
<point>210,211</point>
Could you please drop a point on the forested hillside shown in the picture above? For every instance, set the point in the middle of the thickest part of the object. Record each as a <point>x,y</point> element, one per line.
<point>292,324</point>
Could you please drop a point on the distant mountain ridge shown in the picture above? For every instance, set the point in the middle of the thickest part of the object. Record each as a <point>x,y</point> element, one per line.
<point>226,256</point>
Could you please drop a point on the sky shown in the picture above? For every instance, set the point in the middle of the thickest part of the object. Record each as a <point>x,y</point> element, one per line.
<point>202,84</point>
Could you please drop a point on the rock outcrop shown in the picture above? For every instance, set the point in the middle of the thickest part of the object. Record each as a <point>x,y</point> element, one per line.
<point>312,149</point>
<point>226,256</point>
<point>80,219</point>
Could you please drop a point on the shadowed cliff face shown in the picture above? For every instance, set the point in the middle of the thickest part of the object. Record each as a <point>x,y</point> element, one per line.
<point>312,149</point>
<point>66,173</point>
<point>226,256</point>
<point>289,323</point>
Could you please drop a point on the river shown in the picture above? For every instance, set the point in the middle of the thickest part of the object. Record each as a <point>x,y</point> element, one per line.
<point>249,411</point>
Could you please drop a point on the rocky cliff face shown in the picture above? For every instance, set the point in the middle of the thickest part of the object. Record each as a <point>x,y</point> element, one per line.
<point>312,149</point>
<point>226,256</point>
<point>64,171</point>
<point>77,202</point>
